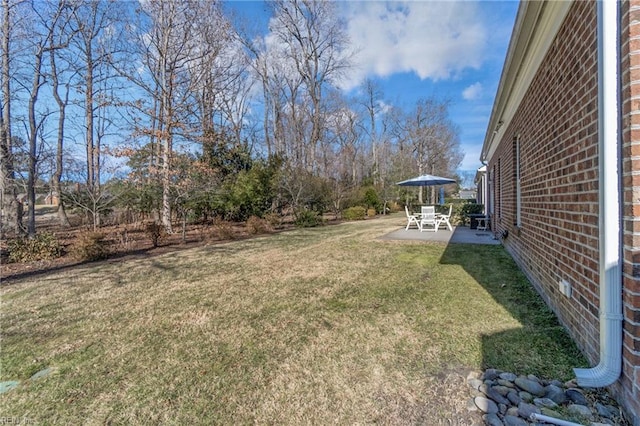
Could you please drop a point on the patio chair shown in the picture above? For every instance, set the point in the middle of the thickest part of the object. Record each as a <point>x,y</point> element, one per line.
<point>482,223</point>
<point>444,218</point>
<point>411,218</point>
<point>428,219</point>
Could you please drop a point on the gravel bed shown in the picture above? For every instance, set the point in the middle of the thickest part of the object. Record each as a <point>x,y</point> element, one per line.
<point>506,399</point>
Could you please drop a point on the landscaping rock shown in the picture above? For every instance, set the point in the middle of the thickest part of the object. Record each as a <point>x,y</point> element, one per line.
<point>555,393</point>
<point>506,383</point>
<point>545,402</point>
<point>532,386</point>
<point>514,421</point>
<point>514,398</point>
<point>492,392</point>
<point>492,420</point>
<point>525,410</point>
<point>525,396</point>
<point>576,396</point>
<point>485,405</point>
<point>471,405</point>
<point>475,383</point>
<point>607,411</point>
<point>512,411</point>
<point>580,410</point>
<point>509,377</point>
<point>551,413</point>
<point>502,390</point>
<point>509,400</point>
<point>491,374</point>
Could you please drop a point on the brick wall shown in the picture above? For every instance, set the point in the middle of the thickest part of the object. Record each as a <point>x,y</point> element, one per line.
<point>556,126</point>
<point>629,385</point>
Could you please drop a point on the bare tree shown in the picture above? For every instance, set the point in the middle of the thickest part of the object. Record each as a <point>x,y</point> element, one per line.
<point>9,204</point>
<point>61,38</point>
<point>169,49</point>
<point>94,23</point>
<point>433,139</point>
<point>372,102</point>
<point>49,16</point>
<point>313,39</point>
<point>219,79</point>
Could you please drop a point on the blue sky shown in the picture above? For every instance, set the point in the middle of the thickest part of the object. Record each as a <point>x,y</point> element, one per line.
<point>451,50</point>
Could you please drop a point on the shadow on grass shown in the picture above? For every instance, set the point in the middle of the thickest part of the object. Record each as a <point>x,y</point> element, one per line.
<point>541,346</point>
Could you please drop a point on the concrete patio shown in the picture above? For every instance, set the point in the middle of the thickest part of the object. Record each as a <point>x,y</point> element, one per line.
<point>460,234</point>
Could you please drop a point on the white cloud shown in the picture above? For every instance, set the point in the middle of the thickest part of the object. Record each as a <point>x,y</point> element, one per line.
<point>472,92</point>
<point>434,40</point>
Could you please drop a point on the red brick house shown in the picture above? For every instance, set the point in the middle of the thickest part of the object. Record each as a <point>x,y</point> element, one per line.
<point>562,152</point>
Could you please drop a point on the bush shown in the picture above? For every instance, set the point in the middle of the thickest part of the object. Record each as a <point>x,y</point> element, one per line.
<point>371,212</point>
<point>255,226</point>
<point>155,231</point>
<point>354,213</point>
<point>41,247</point>
<point>461,211</point>
<point>90,246</point>
<point>394,206</point>
<point>371,199</point>
<point>274,219</point>
<point>250,192</point>
<point>222,229</point>
<point>308,219</point>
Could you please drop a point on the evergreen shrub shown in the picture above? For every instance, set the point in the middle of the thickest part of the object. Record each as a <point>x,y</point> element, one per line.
<point>43,246</point>
<point>354,213</point>
<point>308,219</point>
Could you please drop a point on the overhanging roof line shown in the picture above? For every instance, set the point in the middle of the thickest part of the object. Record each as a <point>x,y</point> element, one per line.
<point>535,29</point>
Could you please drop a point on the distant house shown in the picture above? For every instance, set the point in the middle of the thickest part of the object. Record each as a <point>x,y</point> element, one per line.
<point>482,186</point>
<point>563,164</point>
<point>52,199</point>
<point>467,194</point>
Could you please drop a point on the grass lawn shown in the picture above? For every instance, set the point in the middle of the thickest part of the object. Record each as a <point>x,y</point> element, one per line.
<point>315,326</point>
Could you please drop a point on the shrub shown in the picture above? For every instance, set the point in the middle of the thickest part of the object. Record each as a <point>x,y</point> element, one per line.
<point>371,212</point>
<point>308,219</point>
<point>155,231</point>
<point>41,247</point>
<point>250,192</point>
<point>223,229</point>
<point>394,206</point>
<point>371,199</point>
<point>255,225</point>
<point>90,246</point>
<point>274,219</point>
<point>354,213</point>
<point>461,211</point>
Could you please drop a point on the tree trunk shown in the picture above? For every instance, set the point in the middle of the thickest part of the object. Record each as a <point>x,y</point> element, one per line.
<point>57,174</point>
<point>9,204</point>
<point>33,145</point>
<point>88,117</point>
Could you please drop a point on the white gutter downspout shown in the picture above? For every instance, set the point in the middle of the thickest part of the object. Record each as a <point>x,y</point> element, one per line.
<point>609,368</point>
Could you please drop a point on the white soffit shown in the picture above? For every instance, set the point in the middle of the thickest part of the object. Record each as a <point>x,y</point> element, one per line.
<point>535,33</point>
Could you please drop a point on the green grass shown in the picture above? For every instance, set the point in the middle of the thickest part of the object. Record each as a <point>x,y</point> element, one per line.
<point>324,325</point>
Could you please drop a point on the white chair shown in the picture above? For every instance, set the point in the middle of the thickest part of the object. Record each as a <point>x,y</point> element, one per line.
<point>444,218</point>
<point>428,219</point>
<point>411,218</point>
<point>482,223</point>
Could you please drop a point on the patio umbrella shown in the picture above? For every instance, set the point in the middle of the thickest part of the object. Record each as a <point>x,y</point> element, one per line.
<point>426,180</point>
